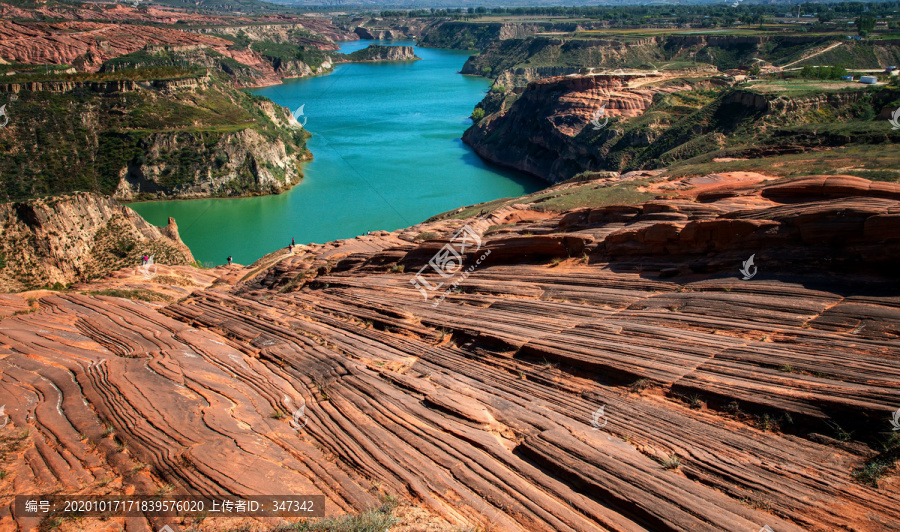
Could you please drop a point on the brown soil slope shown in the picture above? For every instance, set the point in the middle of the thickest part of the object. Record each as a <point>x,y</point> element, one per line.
<point>480,409</point>
<point>78,237</point>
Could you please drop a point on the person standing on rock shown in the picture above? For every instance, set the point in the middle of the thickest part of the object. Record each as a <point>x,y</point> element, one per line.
<point>229,260</point>
<point>293,243</point>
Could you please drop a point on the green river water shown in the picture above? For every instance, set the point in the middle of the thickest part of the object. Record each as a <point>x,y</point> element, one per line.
<point>387,154</point>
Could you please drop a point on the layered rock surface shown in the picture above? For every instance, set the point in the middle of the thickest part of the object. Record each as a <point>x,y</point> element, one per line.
<point>67,42</point>
<point>88,45</point>
<point>544,393</point>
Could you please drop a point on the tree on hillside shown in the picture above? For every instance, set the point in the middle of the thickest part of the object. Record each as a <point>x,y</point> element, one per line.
<point>865,25</point>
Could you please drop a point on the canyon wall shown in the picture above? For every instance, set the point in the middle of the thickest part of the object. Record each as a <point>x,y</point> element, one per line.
<point>78,237</point>
<point>183,138</point>
<point>250,54</point>
<point>383,53</point>
<point>89,44</point>
<point>547,131</point>
<point>279,33</point>
<point>480,35</point>
<point>384,28</point>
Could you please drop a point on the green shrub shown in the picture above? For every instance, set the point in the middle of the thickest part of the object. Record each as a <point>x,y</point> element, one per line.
<point>426,235</point>
<point>140,294</point>
<point>373,520</point>
<point>871,471</point>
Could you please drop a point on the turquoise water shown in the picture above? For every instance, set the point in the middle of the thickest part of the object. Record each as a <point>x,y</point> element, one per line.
<point>387,154</point>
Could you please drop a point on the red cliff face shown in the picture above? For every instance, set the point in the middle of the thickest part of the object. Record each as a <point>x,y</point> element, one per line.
<point>88,43</point>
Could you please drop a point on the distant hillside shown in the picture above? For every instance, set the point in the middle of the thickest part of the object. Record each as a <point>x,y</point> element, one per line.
<point>538,56</point>
<point>148,132</point>
<point>560,127</point>
<point>247,7</point>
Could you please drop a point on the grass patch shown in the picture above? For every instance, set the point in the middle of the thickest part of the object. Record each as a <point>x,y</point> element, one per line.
<point>553,200</point>
<point>880,465</point>
<point>639,385</point>
<point>670,462</point>
<point>840,433</point>
<point>379,519</point>
<point>39,73</point>
<point>871,162</point>
<point>593,196</point>
<point>870,472</point>
<point>140,294</point>
<point>426,235</point>
<point>498,228</point>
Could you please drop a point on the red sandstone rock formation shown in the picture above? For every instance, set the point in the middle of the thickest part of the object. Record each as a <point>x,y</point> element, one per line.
<point>86,45</point>
<point>64,42</point>
<point>480,410</point>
